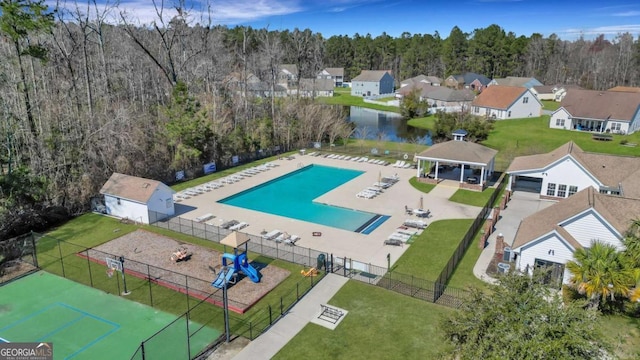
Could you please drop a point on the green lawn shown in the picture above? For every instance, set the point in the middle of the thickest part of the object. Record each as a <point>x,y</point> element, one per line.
<point>519,137</point>
<point>551,105</point>
<point>420,186</point>
<point>380,325</point>
<point>473,198</point>
<point>623,333</point>
<point>345,98</point>
<point>429,253</point>
<point>428,122</point>
<point>463,277</point>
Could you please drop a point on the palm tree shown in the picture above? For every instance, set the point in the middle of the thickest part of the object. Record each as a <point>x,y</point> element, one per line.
<point>600,272</point>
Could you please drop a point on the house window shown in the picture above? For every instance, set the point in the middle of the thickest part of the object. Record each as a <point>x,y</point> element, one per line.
<point>560,122</point>
<point>476,109</point>
<point>525,100</point>
<point>551,189</point>
<point>573,189</point>
<point>118,201</point>
<point>562,190</point>
<point>509,113</point>
<point>615,126</point>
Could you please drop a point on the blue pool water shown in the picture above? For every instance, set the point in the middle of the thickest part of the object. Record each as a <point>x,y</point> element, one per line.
<point>292,196</point>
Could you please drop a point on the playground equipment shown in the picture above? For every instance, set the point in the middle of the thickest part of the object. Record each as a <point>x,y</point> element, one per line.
<point>310,272</point>
<point>235,262</point>
<point>182,254</point>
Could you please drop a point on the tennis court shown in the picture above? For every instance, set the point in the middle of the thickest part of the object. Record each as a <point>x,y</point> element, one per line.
<point>85,323</point>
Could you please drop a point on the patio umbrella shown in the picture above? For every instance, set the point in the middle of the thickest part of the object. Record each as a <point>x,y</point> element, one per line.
<point>380,176</point>
<point>421,203</point>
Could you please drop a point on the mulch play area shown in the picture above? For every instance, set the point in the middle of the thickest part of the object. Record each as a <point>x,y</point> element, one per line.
<point>142,247</point>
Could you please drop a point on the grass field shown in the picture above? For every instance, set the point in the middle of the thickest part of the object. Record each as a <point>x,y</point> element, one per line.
<point>345,98</point>
<point>380,325</point>
<point>550,105</point>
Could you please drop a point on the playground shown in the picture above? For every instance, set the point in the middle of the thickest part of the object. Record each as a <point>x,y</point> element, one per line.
<point>171,262</point>
<point>86,323</point>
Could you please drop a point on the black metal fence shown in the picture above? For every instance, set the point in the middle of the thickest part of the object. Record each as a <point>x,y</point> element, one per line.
<point>17,258</point>
<point>448,270</point>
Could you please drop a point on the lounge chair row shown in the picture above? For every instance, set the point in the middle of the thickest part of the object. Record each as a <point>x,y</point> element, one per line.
<point>418,224</point>
<point>281,237</point>
<point>402,164</point>
<point>369,193</point>
<point>362,159</point>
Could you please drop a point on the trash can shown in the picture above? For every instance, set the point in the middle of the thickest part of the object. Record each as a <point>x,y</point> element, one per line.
<point>321,261</point>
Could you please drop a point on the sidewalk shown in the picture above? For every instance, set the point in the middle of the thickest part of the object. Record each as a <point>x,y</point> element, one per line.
<point>269,343</point>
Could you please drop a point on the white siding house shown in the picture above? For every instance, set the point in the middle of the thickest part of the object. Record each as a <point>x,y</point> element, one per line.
<point>551,236</point>
<point>568,170</point>
<point>138,199</point>
<point>506,102</point>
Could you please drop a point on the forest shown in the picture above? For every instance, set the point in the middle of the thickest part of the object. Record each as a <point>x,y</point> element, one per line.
<point>83,95</point>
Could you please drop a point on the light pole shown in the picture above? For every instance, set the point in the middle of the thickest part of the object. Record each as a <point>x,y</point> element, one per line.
<point>225,302</point>
<point>124,278</point>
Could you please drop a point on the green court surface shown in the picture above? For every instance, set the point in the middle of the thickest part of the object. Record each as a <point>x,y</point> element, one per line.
<point>85,323</point>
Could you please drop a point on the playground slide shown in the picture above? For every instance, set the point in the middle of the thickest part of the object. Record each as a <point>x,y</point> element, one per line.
<point>220,280</point>
<point>248,270</point>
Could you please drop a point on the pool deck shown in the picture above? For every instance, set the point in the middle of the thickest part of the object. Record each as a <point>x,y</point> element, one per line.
<point>343,243</point>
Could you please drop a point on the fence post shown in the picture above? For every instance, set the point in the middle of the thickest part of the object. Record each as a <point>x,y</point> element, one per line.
<point>250,330</point>
<point>89,266</point>
<point>186,286</point>
<point>149,282</point>
<point>281,307</point>
<point>297,292</point>
<point>35,251</point>
<point>188,334</point>
<point>61,261</point>
<point>270,316</point>
<point>144,356</point>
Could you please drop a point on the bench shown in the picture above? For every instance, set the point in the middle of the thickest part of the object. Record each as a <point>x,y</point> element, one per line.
<point>330,314</point>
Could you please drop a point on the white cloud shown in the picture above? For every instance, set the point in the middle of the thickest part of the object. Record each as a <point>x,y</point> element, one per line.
<point>605,30</point>
<point>628,13</point>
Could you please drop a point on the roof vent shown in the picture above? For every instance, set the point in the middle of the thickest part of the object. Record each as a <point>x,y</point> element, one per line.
<point>146,185</point>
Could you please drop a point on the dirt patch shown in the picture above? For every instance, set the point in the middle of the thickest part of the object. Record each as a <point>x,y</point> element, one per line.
<point>15,269</point>
<point>148,255</point>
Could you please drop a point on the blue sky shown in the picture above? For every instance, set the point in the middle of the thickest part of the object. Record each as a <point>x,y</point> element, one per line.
<point>566,18</point>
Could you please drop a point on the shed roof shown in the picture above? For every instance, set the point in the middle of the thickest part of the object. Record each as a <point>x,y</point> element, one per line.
<point>131,187</point>
<point>460,152</point>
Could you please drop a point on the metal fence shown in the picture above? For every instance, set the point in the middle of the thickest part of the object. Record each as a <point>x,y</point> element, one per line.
<point>17,258</point>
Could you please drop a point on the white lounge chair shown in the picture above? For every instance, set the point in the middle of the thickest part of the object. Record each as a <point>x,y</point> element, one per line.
<point>396,163</point>
<point>292,240</point>
<point>282,237</point>
<point>205,217</point>
<point>271,234</point>
<point>357,158</point>
<point>239,226</point>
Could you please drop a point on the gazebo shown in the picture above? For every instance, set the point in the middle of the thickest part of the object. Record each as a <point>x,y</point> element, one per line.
<point>467,157</point>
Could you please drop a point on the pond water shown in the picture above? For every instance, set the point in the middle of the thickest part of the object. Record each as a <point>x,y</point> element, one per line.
<point>384,125</point>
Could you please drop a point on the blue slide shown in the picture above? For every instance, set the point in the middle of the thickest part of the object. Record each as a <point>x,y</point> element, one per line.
<point>221,279</point>
<point>247,269</point>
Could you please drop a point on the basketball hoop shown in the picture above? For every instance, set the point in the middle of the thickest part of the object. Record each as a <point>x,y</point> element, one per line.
<point>110,272</point>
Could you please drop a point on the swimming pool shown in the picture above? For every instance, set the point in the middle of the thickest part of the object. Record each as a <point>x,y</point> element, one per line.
<point>292,196</point>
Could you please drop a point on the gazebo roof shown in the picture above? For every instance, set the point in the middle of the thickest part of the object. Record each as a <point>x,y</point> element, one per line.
<point>235,239</point>
<point>459,152</point>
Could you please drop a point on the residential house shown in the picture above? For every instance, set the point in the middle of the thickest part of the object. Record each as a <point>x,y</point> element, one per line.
<point>263,89</point>
<point>598,198</point>
<point>560,91</point>
<point>450,100</point>
<point>468,80</point>
<point>544,92</point>
<point>138,199</point>
<point>421,79</point>
<point>600,111</point>
<point>549,238</point>
<point>288,75</point>
<point>334,74</point>
<point>372,83</point>
<point>506,102</point>
<point>568,169</point>
<point>527,82</point>
<point>312,88</point>
<point>421,87</point>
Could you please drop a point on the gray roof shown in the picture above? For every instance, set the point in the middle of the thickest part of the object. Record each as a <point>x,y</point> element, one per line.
<point>601,105</point>
<point>317,84</point>
<point>618,211</point>
<point>544,89</point>
<point>335,71</point>
<point>370,75</point>
<point>468,78</point>
<point>450,95</point>
<point>424,89</point>
<point>611,170</point>
<point>518,81</point>
<point>132,187</point>
<point>459,151</point>
<point>291,68</point>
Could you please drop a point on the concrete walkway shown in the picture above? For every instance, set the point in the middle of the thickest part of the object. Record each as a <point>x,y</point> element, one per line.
<point>521,205</point>
<point>269,343</point>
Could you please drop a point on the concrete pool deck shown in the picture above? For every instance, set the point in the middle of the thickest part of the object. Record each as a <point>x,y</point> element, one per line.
<point>343,243</point>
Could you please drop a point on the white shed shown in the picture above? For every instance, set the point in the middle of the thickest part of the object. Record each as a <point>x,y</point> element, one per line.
<point>138,199</point>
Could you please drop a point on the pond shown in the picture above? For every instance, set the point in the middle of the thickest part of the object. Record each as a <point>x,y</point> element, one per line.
<point>384,125</point>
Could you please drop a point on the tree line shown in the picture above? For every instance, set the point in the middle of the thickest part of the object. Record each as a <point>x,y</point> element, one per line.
<point>84,95</point>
